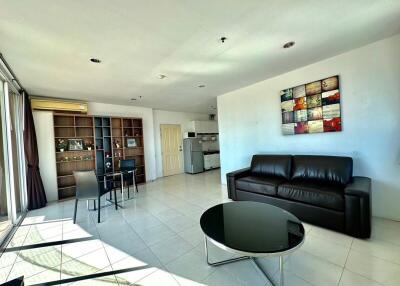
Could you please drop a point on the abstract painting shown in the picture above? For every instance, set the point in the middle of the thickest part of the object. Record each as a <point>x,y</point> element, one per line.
<point>312,108</point>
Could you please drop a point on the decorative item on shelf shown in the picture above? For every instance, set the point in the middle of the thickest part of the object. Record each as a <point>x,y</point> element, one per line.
<point>75,144</point>
<point>87,157</point>
<point>107,154</point>
<point>88,145</point>
<point>75,158</point>
<point>137,134</point>
<point>116,144</point>
<point>108,165</point>
<point>61,144</point>
<point>131,142</point>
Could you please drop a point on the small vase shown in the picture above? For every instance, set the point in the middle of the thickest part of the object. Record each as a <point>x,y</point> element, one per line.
<point>62,150</point>
<point>89,148</point>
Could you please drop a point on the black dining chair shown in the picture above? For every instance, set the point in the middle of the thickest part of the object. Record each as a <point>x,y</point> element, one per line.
<point>88,188</point>
<point>127,165</point>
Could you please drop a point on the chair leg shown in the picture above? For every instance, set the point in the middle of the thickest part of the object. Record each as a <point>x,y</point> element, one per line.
<point>128,189</point>
<point>76,206</point>
<point>94,204</point>
<point>137,191</point>
<point>115,196</point>
<point>98,210</point>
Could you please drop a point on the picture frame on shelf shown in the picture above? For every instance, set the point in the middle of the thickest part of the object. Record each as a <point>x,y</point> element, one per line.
<point>131,142</point>
<point>75,144</point>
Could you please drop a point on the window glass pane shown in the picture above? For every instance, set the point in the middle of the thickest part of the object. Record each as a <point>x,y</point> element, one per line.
<point>5,221</point>
<point>15,124</point>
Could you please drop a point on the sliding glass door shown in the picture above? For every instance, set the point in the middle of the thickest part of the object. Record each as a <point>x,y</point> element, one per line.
<point>16,116</point>
<point>5,218</point>
<point>12,159</point>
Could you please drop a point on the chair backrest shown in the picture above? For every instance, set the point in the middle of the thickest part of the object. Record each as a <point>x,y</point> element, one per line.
<point>127,164</point>
<point>87,185</point>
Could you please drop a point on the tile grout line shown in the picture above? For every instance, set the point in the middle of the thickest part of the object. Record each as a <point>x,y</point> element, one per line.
<point>362,275</point>
<point>12,267</point>
<point>148,248</point>
<point>62,239</point>
<point>344,266</point>
<point>377,257</point>
<point>108,258</point>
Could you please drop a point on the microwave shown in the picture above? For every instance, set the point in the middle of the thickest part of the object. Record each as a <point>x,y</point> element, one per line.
<point>190,135</point>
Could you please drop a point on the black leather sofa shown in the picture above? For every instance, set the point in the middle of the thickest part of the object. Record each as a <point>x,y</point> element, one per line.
<point>320,190</point>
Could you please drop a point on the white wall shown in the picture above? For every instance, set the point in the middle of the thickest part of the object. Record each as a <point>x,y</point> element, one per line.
<point>47,158</point>
<point>250,119</point>
<point>169,117</point>
<point>148,130</point>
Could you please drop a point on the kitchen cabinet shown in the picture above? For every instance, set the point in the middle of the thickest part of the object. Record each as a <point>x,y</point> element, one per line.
<point>211,161</point>
<point>208,126</point>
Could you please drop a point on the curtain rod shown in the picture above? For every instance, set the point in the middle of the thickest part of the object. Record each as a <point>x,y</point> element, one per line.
<point>10,75</point>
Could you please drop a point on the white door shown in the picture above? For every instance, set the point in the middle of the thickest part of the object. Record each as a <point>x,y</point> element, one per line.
<point>171,147</point>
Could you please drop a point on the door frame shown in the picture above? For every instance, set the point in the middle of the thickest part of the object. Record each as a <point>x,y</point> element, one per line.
<point>162,150</point>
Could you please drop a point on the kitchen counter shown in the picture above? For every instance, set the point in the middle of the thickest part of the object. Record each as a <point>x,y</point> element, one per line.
<point>211,159</point>
<point>210,152</point>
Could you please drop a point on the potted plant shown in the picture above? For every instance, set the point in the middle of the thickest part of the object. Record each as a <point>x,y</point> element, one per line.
<point>61,144</point>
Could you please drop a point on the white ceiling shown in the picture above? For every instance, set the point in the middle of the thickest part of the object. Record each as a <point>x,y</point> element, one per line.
<point>49,43</point>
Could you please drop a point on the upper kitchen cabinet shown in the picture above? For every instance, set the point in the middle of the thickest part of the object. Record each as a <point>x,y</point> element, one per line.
<point>208,126</point>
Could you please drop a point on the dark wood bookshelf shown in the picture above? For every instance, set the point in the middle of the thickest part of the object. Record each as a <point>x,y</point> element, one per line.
<point>72,126</point>
<point>104,133</point>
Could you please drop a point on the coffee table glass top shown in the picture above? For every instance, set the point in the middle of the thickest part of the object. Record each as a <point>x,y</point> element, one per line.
<point>252,227</point>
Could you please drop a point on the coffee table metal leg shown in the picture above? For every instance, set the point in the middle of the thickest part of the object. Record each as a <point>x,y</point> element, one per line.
<point>222,261</point>
<point>281,281</point>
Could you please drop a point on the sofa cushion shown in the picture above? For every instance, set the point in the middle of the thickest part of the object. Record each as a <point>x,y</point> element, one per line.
<point>329,169</point>
<point>260,185</point>
<point>313,193</point>
<point>271,165</point>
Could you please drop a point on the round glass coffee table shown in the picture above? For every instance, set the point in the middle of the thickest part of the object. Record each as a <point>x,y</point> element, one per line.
<point>252,230</point>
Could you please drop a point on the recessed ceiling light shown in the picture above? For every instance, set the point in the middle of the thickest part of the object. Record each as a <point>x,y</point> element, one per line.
<point>288,45</point>
<point>162,76</point>
<point>94,60</point>
<point>201,86</point>
<point>133,98</point>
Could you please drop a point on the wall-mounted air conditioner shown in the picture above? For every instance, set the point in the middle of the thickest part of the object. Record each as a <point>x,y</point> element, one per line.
<point>59,105</point>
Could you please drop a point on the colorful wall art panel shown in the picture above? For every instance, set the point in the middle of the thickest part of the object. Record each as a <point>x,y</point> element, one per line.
<point>312,108</point>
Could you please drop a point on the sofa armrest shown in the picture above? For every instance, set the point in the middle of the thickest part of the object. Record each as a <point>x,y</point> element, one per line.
<point>358,207</point>
<point>232,177</point>
<point>360,186</point>
<point>239,173</point>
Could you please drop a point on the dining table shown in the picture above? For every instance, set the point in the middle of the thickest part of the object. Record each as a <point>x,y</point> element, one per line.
<point>120,174</point>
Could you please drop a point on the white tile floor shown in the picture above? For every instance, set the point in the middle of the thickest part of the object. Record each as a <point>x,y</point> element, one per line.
<point>156,240</point>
